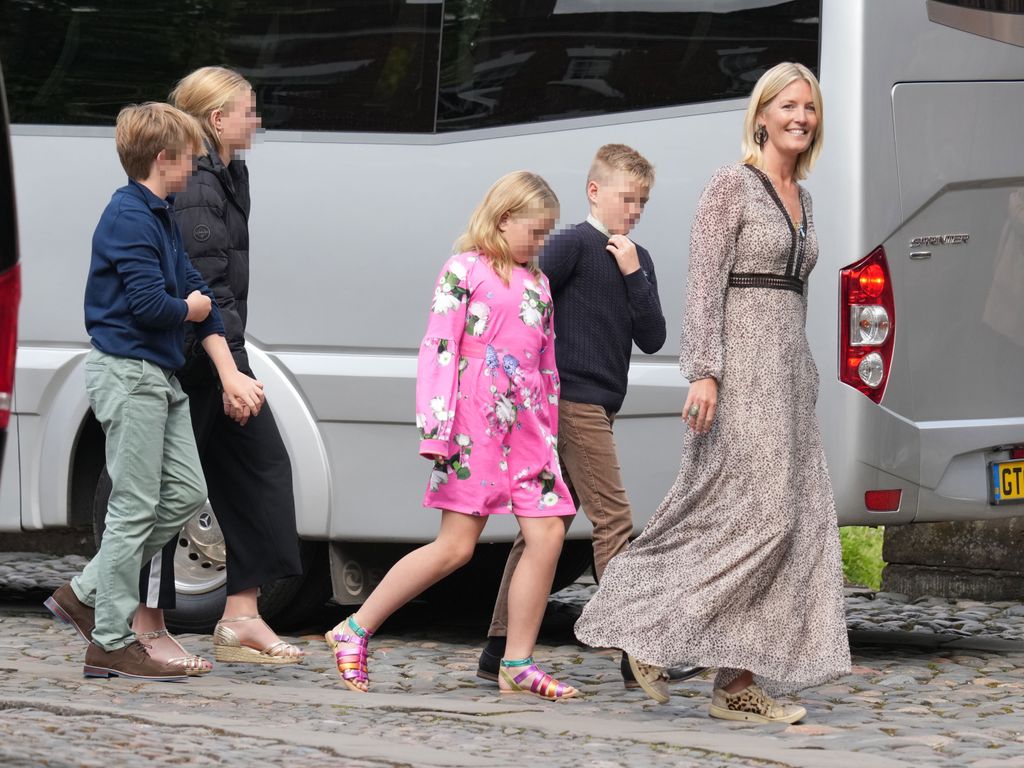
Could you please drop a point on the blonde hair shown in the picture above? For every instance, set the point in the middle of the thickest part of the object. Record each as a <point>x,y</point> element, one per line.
<point>619,157</point>
<point>518,194</point>
<point>144,130</point>
<point>769,85</point>
<point>203,92</point>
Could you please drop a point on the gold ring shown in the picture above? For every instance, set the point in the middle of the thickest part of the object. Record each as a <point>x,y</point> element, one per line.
<point>694,410</point>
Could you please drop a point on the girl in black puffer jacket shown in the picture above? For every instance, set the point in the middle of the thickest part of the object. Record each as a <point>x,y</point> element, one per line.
<point>247,469</point>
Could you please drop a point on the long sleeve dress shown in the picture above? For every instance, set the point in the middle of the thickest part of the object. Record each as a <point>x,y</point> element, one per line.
<point>487,393</point>
<point>740,567</point>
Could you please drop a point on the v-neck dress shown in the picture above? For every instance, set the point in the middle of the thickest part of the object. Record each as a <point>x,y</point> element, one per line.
<point>740,567</point>
<point>487,393</point>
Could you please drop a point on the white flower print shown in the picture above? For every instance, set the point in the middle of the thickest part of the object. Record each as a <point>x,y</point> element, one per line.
<point>444,358</point>
<point>529,314</point>
<point>553,399</point>
<point>461,439</point>
<point>505,410</point>
<point>549,499</point>
<point>476,322</point>
<point>444,302</point>
<point>438,477</point>
<point>503,465</point>
<point>437,405</point>
<point>458,269</point>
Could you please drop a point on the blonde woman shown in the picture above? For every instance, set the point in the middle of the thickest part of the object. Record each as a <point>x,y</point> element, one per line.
<point>740,567</point>
<point>487,405</point>
<point>247,469</point>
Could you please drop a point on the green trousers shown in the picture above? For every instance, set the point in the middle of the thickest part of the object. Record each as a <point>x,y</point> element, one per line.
<point>157,483</point>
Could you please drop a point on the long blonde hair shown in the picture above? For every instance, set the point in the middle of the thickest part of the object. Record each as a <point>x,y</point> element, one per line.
<point>516,194</point>
<point>203,92</point>
<point>769,85</point>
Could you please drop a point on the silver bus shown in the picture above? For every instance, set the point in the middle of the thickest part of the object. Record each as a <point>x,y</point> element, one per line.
<point>384,123</point>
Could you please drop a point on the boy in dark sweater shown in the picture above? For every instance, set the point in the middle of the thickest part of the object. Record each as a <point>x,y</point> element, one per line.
<point>140,292</point>
<point>606,298</point>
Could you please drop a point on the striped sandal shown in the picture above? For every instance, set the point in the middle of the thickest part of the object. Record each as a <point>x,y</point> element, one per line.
<point>531,679</point>
<point>349,642</point>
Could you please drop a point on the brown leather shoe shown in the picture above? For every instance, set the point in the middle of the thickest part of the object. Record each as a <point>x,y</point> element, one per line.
<point>65,605</point>
<point>130,661</point>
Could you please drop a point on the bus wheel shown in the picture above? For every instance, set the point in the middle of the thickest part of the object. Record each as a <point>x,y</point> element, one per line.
<point>200,573</point>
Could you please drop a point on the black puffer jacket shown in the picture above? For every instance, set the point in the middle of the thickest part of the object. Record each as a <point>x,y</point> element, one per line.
<point>213,213</point>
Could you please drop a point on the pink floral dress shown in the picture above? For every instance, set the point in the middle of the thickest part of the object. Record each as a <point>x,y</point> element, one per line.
<point>487,394</point>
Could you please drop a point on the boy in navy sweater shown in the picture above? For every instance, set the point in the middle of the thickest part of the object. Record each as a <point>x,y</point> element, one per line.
<point>606,298</point>
<point>140,292</point>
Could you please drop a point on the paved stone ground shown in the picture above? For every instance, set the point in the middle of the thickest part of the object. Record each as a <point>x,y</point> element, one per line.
<point>934,683</point>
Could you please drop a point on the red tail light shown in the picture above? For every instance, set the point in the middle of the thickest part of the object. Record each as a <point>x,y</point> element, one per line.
<point>10,295</point>
<point>867,324</point>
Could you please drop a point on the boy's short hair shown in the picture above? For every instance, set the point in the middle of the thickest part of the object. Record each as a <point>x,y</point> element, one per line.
<point>619,157</point>
<point>144,130</point>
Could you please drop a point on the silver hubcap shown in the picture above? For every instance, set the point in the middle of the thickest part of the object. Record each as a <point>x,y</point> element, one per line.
<point>200,559</point>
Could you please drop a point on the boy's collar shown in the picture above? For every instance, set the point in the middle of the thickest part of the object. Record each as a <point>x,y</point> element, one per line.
<point>152,200</point>
<point>593,221</point>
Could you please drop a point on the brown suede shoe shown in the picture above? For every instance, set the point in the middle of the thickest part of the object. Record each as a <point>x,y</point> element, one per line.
<point>130,661</point>
<point>65,605</point>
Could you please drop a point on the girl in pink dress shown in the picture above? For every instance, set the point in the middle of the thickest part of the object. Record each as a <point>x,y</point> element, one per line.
<point>487,412</point>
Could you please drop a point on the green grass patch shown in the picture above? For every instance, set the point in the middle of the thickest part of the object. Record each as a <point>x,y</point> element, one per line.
<point>862,554</point>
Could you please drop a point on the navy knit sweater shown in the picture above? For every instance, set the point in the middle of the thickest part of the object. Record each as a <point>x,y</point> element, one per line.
<point>599,313</point>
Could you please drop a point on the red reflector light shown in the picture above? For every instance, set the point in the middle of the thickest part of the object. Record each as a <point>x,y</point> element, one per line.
<point>10,295</point>
<point>883,501</point>
<point>1017,453</point>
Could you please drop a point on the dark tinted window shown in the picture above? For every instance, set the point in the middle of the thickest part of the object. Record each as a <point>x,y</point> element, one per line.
<point>517,61</point>
<point>999,6</point>
<point>316,65</point>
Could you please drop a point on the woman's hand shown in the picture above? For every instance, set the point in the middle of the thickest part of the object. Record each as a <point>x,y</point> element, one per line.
<point>701,401</point>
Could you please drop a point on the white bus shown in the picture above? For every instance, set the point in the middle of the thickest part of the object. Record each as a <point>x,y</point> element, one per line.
<point>386,120</point>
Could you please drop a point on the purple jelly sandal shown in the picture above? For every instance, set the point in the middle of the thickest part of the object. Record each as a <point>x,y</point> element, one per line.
<point>530,679</point>
<point>349,642</point>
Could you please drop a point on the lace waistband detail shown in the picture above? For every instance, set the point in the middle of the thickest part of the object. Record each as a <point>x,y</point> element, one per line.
<point>766,280</point>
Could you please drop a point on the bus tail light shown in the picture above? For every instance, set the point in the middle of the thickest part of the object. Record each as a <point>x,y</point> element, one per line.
<point>867,324</point>
<point>10,294</point>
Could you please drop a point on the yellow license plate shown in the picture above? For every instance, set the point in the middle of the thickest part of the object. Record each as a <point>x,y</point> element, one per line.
<point>1006,482</point>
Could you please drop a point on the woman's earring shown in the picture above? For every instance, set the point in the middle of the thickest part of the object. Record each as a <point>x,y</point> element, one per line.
<point>761,136</point>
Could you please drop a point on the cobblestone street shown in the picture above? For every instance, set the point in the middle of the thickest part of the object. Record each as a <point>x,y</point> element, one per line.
<point>934,683</point>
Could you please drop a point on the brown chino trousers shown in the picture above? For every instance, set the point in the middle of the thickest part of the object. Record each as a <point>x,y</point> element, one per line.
<point>590,467</point>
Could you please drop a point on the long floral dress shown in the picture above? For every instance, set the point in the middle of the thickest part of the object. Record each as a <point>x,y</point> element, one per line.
<point>487,393</point>
<point>740,567</point>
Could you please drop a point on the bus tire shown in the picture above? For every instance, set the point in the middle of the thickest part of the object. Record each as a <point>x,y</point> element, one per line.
<point>201,574</point>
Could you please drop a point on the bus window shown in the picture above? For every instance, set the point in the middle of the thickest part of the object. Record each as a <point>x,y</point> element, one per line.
<point>316,66</point>
<point>519,61</point>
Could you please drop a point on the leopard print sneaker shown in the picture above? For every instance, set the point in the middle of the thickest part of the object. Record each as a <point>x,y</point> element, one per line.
<point>753,705</point>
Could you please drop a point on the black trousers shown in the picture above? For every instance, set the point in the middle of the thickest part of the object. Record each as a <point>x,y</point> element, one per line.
<point>249,479</point>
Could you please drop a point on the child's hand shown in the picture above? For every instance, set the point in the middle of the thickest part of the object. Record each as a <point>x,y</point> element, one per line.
<point>199,306</point>
<point>243,397</point>
<point>624,251</point>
